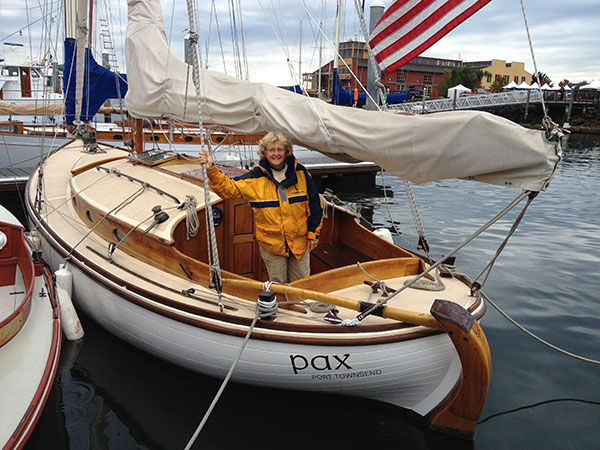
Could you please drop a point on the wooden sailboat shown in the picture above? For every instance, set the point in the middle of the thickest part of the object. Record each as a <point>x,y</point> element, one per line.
<point>153,289</point>
<point>30,334</point>
<point>126,225</point>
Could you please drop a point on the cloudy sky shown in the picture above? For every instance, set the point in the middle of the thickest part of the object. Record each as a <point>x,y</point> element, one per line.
<point>564,35</point>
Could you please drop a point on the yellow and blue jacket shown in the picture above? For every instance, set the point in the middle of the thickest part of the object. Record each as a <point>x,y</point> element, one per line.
<point>286,214</point>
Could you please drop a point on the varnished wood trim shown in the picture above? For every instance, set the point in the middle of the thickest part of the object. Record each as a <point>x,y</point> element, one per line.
<point>97,274</point>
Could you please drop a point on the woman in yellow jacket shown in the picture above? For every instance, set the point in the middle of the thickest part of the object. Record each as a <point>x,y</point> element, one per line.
<point>286,205</point>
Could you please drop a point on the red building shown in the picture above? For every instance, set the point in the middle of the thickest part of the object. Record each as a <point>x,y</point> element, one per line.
<point>420,72</point>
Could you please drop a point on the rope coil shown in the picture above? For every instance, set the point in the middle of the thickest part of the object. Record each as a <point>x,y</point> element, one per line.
<point>192,225</point>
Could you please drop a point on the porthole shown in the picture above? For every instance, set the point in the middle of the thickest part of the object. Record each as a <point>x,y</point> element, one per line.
<point>217,214</point>
<point>119,234</point>
<point>188,139</point>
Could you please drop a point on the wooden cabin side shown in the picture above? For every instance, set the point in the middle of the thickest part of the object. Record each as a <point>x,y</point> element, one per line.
<point>343,242</point>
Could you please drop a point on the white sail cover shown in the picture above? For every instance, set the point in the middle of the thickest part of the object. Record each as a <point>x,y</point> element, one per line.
<point>461,144</point>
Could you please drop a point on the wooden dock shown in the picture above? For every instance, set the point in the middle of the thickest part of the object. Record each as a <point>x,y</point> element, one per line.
<point>14,179</point>
<point>326,172</point>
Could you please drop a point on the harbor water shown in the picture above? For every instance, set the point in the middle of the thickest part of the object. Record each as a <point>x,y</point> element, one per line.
<point>109,395</point>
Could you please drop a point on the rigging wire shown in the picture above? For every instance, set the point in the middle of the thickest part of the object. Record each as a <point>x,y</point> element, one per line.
<point>537,74</point>
<point>310,99</point>
<point>441,261</point>
<point>336,52</point>
<point>220,38</point>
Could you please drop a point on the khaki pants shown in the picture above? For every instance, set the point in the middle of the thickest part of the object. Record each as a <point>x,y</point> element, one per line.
<point>285,269</point>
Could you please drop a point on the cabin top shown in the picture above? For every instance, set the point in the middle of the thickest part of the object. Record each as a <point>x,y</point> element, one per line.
<point>142,190</point>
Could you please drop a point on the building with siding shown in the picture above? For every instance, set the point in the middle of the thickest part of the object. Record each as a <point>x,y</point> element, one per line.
<point>421,72</point>
<point>502,70</point>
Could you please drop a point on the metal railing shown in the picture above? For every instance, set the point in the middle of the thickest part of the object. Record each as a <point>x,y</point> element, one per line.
<point>475,101</point>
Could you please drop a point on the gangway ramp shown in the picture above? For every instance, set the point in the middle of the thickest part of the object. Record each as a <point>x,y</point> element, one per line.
<point>475,101</point>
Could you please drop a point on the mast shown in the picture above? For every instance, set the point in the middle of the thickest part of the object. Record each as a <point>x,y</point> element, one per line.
<point>338,20</point>
<point>300,59</point>
<point>320,56</point>
<point>90,21</point>
<point>76,29</point>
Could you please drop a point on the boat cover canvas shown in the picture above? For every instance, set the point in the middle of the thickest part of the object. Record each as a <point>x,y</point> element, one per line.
<point>460,144</point>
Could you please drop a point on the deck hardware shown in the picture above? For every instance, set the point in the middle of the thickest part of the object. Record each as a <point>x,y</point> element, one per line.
<point>159,217</point>
<point>267,305</point>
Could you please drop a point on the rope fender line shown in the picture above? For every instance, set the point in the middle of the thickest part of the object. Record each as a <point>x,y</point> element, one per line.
<point>536,337</point>
<point>225,381</point>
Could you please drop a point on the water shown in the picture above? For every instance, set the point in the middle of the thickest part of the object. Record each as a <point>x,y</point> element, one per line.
<point>109,395</point>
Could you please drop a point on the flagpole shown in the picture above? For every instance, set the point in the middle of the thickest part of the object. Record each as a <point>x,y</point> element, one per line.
<point>374,72</point>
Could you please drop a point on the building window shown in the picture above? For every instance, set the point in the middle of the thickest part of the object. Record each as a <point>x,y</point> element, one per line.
<point>427,78</point>
<point>516,79</point>
<point>522,79</point>
<point>401,76</point>
<point>489,78</point>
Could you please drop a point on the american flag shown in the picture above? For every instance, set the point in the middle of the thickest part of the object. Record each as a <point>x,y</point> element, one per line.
<point>409,27</point>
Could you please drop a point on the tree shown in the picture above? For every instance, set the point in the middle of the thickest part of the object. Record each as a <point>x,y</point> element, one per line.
<point>445,83</point>
<point>497,84</point>
<point>480,75</point>
<point>564,83</point>
<point>467,76</point>
<point>541,78</point>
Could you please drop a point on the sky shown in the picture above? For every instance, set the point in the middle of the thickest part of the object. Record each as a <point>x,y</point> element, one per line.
<point>564,35</point>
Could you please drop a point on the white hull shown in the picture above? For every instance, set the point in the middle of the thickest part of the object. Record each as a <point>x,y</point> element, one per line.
<point>415,374</point>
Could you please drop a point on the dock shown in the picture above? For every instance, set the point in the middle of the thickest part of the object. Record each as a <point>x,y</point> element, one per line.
<point>326,172</point>
<point>14,179</point>
<point>485,101</point>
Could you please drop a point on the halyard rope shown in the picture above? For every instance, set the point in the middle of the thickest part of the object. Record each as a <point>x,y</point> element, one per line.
<point>213,252</point>
<point>537,74</point>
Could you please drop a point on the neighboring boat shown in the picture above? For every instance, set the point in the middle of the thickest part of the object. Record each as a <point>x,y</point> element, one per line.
<point>30,334</point>
<point>133,229</point>
<point>24,92</point>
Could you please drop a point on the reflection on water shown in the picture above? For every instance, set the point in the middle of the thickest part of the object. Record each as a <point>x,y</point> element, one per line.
<point>109,395</point>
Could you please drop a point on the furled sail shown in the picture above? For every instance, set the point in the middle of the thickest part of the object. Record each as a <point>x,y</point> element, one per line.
<point>461,144</point>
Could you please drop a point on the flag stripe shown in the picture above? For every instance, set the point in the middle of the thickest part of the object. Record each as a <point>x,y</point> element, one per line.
<point>400,12</point>
<point>407,29</point>
<point>425,32</point>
